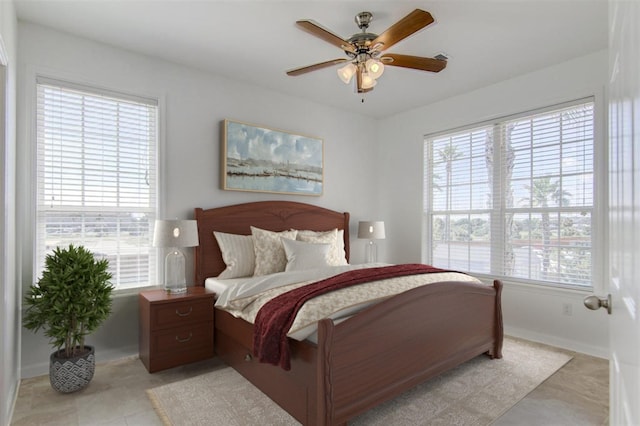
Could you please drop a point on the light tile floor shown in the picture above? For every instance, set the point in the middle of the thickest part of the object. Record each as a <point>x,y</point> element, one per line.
<point>577,394</point>
<point>116,396</point>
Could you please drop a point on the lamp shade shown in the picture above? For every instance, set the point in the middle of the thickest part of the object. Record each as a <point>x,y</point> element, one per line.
<point>175,233</point>
<point>372,230</point>
<point>375,68</point>
<point>346,73</point>
<point>367,81</point>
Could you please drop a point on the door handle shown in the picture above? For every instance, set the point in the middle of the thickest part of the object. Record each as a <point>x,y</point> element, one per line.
<point>594,302</point>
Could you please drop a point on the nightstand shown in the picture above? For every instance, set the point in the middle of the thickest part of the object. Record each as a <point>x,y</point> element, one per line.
<point>175,329</point>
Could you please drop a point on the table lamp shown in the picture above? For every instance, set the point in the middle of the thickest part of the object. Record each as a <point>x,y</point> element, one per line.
<point>175,234</point>
<point>371,230</point>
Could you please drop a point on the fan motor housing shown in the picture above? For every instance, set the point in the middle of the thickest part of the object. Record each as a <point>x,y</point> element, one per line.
<point>361,40</point>
<point>362,43</point>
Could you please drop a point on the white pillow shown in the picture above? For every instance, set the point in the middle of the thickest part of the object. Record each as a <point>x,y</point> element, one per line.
<point>267,246</point>
<point>237,253</point>
<point>335,237</point>
<point>301,255</point>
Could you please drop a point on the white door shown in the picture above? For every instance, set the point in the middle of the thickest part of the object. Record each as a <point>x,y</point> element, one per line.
<point>624,216</point>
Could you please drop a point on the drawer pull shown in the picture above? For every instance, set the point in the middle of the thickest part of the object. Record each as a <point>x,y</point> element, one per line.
<point>180,314</point>
<point>179,340</point>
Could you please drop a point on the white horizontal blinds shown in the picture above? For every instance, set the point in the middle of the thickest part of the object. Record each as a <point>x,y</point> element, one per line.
<point>550,181</point>
<point>96,177</point>
<point>459,190</point>
<point>514,197</point>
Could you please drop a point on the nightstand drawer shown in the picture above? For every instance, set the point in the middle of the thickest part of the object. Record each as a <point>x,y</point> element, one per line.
<point>182,313</point>
<point>175,329</point>
<point>181,339</point>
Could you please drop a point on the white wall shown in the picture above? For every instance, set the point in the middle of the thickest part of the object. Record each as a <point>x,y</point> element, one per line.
<point>530,312</point>
<point>192,105</point>
<point>9,292</point>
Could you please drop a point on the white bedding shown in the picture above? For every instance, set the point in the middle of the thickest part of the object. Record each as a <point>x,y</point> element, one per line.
<point>239,288</point>
<point>218,286</point>
<point>243,297</point>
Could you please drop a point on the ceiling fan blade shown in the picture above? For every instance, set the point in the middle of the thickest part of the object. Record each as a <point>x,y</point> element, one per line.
<point>309,68</point>
<point>402,29</point>
<point>317,30</point>
<point>415,62</point>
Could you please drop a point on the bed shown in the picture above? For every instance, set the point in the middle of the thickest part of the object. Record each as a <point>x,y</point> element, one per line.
<point>375,355</point>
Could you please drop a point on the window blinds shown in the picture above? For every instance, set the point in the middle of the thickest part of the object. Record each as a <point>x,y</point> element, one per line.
<point>514,197</point>
<point>96,177</point>
<point>460,194</point>
<point>548,160</point>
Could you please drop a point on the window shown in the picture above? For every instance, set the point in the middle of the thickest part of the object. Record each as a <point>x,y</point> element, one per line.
<point>96,177</point>
<point>514,197</point>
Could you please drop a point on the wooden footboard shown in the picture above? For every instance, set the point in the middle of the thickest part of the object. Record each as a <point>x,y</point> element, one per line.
<point>395,345</point>
<point>375,355</point>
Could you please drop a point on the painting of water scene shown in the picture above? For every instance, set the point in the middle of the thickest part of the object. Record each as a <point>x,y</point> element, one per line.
<point>265,160</point>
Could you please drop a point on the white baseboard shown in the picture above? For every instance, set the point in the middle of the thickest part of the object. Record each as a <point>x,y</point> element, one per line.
<point>12,403</point>
<point>572,345</point>
<point>102,355</point>
<point>35,370</point>
<point>105,355</point>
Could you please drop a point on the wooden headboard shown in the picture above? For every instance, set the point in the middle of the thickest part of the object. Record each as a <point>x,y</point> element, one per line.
<point>271,215</point>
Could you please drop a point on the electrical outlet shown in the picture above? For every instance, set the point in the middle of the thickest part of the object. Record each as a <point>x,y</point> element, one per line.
<point>567,309</point>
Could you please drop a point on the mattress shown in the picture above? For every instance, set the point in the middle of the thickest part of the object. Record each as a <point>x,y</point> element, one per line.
<point>244,297</point>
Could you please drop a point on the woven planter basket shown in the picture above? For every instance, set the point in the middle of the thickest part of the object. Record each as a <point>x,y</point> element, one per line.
<point>71,374</point>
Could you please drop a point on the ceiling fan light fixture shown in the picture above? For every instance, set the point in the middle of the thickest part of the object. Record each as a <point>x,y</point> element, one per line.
<point>347,72</point>
<point>368,81</point>
<point>374,67</point>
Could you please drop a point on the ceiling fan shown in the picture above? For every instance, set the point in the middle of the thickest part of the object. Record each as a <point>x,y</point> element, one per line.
<point>366,60</point>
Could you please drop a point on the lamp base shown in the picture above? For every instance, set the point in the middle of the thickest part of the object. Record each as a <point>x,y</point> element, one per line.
<point>175,289</point>
<point>174,272</point>
<point>371,252</point>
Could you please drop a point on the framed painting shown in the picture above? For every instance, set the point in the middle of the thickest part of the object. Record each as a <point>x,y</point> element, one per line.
<point>260,159</point>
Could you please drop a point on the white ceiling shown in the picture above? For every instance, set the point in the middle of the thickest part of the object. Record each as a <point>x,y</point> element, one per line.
<point>257,41</point>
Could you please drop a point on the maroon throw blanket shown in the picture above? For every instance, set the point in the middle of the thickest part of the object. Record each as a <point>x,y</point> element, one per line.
<point>275,318</point>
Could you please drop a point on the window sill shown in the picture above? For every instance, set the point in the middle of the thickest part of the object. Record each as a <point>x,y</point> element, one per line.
<point>128,292</point>
<point>539,288</point>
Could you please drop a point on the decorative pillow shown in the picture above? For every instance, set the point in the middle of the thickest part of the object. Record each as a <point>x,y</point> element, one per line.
<point>301,255</point>
<point>335,237</point>
<point>237,253</point>
<point>267,246</point>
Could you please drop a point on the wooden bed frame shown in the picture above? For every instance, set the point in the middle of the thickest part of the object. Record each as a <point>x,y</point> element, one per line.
<point>371,357</point>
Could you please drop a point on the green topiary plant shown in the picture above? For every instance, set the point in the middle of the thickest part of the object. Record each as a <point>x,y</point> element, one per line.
<point>71,300</point>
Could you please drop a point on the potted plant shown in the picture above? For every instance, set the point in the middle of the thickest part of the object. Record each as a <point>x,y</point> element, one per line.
<point>71,300</point>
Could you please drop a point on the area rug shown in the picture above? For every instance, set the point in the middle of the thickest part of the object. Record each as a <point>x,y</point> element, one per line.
<point>475,393</point>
